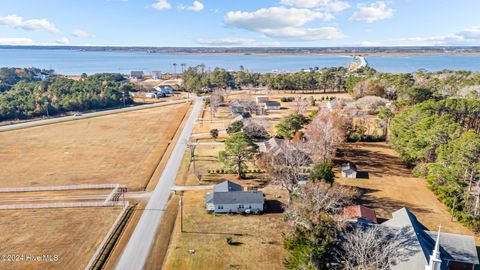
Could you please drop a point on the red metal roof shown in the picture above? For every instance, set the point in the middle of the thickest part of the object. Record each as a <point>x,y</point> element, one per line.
<point>360,211</point>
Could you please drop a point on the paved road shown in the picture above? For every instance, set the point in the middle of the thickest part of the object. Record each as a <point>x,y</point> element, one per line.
<point>138,247</point>
<point>188,188</point>
<point>86,115</point>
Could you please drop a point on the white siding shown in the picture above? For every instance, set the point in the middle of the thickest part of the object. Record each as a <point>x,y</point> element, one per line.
<point>234,208</point>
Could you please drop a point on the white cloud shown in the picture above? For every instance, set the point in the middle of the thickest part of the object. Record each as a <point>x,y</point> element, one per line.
<point>330,5</point>
<point>305,34</point>
<point>196,6</point>
<point>284,23</point>
<point>273,18</point>
<point>82,34</point>
<point>16,41</point>
<point>161,5</point>
<point>236,42</point>
<point>372,12</point>
<point>63,41</point>
<point>467,37</point>
<point>365,44</point>
<point>15,21</point>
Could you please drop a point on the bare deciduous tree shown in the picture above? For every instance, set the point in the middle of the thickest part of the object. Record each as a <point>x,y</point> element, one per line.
<point>313,200</point>
<point>300,105</point>
<point>192,146</point>
<point>255,128</point>
<point>324,134</point>
<point>216,99</point>
<point>248,104</point>
<point>372,247</point>
<point>286,168</point>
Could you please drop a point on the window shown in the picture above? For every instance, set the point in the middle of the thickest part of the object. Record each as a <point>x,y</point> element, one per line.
<point>220,207</point>
<point>241,206</point>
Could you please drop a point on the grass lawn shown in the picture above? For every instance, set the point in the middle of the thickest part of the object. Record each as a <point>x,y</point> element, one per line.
<point>257,239</point>
<point>122,148</point>
<point>73,234</point>
<point>390,186</point>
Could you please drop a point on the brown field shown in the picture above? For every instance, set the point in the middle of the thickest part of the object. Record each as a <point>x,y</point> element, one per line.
<point>390,186</point>
<point>122,148</point>
<point>258,239</point>
<point>73,234</point>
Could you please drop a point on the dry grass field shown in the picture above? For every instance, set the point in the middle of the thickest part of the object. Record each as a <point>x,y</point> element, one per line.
<point>73,234</point>
<point>257,239</point>
<point>122,148</point>
<point>390,186</point>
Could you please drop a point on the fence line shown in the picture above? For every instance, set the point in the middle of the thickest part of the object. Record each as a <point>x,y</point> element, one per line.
<point>58,188</point>
<point>62,205</point>
<point>107,237</point>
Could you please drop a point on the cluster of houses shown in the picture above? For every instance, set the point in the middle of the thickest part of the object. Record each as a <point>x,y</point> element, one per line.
<point>417,247</point>
<point>138,75</point>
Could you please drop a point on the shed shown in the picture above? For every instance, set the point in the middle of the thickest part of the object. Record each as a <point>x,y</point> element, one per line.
<point>349,170</point>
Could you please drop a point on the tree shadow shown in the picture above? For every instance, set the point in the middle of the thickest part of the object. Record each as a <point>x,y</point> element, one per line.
<point>375,162</point>
<point>273,207</point>
<point>386,205</point>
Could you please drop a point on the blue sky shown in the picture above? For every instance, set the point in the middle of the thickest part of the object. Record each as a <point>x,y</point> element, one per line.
<point>309,23</point>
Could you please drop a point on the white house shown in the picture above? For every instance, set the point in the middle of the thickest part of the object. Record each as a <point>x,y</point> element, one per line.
<point>136,74</point>
<point>228,197</point>
<point>156,75</point>
<point>272,105</point>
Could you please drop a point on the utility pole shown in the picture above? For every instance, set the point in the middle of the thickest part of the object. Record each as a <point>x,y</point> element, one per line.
<point>180,204</point>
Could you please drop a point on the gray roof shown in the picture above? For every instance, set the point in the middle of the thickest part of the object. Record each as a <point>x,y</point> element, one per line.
<point>455,247</point>
<point>274,145</point>
<point>349,167</point>
<point>235,197</point>
<point>227,186</point>
<point>421,242</point>
<point>272,103</point>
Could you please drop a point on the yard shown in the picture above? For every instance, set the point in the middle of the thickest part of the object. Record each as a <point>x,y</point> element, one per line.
<point>388,185</point>
<point>123,148</point>
<point>72,234</point>
<point>257,240</point>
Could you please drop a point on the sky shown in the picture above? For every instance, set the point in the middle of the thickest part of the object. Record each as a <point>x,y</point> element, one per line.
<point>250,23</point>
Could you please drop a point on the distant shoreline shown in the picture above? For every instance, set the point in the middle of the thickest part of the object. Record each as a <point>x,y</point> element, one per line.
<point>273,51</point>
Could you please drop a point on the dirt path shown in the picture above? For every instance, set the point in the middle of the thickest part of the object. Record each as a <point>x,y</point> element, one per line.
<point>390,186</point>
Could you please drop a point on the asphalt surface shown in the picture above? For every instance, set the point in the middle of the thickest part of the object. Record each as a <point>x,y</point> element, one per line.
<point>136,252</point>
<point>86,115</point>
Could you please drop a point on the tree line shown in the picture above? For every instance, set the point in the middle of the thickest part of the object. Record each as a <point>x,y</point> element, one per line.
<point>28,97</point>
<point>440,139</point>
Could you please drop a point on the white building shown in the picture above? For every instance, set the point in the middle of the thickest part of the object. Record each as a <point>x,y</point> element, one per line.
<point>272,105</point>
<point>228,197</point>
<point>349,170</point>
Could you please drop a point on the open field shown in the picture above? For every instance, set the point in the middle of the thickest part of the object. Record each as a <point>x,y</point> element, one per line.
<point>257,239</point>
<point>73,234</point>
<point>390,186</point>
<point>123,148</point>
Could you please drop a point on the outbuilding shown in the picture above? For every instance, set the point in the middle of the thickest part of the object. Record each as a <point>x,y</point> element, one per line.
<point>272,105</point>
<point>349,170</point>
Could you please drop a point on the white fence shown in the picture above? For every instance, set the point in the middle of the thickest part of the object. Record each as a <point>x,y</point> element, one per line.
<point>62,205</point>
<point>107,237</point>
<point>59,188</point>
